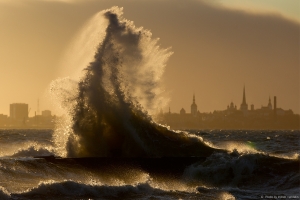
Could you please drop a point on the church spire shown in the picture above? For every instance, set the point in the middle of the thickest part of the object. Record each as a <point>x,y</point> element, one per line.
<point>270,104</point>
<point>244,105</point>
<point>194,98</point>
<point>194,107</point>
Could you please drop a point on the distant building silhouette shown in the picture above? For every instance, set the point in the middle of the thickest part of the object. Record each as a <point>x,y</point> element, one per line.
<point>18,111</point>
<point>182,111</point>
<point>244,105</point>
<point>269,106</point>
<point>194,107</point>
<point>275,108</point>
<point>266,117</point>
<point>3,120</point>
<point>231,108</point>
<point>46,113</point>
<point>18,118</point>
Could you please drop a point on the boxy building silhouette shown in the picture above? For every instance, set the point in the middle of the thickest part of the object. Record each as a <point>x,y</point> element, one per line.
<point>18,111</point>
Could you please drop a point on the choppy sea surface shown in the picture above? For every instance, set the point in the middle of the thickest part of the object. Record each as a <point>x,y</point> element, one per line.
<point>257,165</point>
<point>111,148</point>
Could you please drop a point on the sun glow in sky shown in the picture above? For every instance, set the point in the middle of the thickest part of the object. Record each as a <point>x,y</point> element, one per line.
<point>218,47</point>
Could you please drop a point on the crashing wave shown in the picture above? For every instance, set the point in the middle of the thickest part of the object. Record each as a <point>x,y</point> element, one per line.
<point>109,111</point>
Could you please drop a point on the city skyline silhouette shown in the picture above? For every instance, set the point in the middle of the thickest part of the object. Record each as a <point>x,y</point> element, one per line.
<point>214,57</point>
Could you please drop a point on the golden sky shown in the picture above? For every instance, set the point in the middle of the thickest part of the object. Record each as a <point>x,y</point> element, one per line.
<point>218,47</point>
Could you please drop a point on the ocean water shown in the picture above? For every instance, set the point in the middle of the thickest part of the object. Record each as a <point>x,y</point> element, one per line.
<point>257,165</point>
<point>107,144</point>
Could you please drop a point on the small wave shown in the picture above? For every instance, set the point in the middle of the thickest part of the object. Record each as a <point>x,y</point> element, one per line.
<point>73,189</point>
<point>4,194</point>
<point>235,169</point>
<point>31,152</point>
<point>240,146</point>
<point>221,168</point>
<point>290,156</point>
<point>215,193</point>
<point>17,148</point>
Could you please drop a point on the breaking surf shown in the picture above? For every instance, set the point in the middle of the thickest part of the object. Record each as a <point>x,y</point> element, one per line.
<point>110,112</point>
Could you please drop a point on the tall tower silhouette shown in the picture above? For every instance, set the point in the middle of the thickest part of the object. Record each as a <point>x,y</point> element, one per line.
<point>244,96</point>
<point>194,107</point>
<point>244,105</point>
<point>270,104</point>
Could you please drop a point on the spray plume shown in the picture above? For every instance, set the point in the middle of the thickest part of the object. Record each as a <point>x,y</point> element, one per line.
<point>109,114</point>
